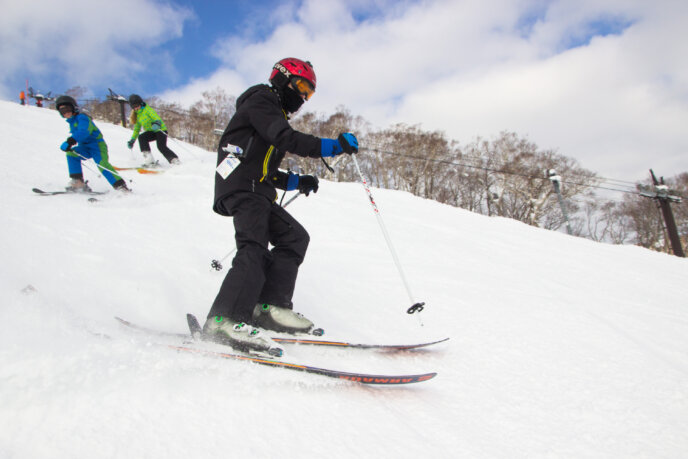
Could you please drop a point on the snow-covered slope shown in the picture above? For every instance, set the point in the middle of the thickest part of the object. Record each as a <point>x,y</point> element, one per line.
<point>560,347</point>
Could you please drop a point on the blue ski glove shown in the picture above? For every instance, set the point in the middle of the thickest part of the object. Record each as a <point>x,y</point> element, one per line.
<point>130,144</point>
<point>156,125</point>
<point>329,148</point>
<point>292,181</point>
<point>68,144</point>
<point>346,143</point>
<point>308,183</point>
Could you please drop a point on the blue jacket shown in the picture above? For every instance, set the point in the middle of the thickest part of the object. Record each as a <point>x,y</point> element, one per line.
<point>83,129</point>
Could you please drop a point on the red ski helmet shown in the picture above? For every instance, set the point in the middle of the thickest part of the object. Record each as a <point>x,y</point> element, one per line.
<point>290,67</point>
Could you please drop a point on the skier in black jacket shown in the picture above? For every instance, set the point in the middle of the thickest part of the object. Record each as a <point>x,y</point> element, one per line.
<point>258,289</point>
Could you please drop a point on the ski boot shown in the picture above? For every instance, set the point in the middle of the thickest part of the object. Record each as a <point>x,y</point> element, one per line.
<point>240,336</point>
<point>175,161</point>
<point>120,185</point>
<point>280,319</point>
<point>76,185</point>
<point>148,160</point>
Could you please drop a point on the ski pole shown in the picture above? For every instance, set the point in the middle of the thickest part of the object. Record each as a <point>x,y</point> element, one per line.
<point>416,307</point>
<point>179,144</point>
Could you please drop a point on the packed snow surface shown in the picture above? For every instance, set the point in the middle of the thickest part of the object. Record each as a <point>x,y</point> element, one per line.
<point>560,347</point>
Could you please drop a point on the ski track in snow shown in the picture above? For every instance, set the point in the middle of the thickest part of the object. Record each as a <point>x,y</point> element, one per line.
<point>560,346</point>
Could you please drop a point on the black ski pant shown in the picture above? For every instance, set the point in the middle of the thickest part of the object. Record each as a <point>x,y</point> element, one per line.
<point>160,138</point>
<point>258,274</point>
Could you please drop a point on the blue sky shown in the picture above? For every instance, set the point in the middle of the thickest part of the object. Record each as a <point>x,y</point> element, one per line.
<point>212,20</point>
<point>603,82</point>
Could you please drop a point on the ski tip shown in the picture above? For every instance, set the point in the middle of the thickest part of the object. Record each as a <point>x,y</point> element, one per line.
<point>122,321</point>
<point>423,345</point>
<point>194,326</point>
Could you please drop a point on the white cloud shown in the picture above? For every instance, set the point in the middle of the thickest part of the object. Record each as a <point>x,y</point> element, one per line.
<point>230,81</point>
<point>618,105</point>
<point>86,41</point>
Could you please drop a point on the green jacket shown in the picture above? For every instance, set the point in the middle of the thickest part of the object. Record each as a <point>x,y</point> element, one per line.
<point>145,116</point>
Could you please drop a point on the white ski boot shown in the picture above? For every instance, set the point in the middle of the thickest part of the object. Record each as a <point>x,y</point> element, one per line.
<point>240,336</point>
<point>77,186</point>
<point>280,319</point>
<point>148,160</point>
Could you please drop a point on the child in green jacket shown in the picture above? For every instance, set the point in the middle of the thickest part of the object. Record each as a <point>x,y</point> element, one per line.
<point>143,116</point>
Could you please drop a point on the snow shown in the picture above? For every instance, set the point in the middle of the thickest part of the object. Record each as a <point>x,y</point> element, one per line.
<point>560,346</point>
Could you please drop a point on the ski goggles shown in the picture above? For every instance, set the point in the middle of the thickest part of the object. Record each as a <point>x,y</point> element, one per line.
<point>64,109</point>
<point>303,87</point>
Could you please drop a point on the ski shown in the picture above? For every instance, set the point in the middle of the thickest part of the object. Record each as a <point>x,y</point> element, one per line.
<point>150,169</point>
<point>143,170</point>
<point>195,333</point>
<point>140,170</point>
<point>364,378</point>
<point>52,193</point>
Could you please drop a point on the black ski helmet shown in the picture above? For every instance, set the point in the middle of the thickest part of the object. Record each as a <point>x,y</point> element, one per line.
<point>135,99</point>
<point>67,100</point>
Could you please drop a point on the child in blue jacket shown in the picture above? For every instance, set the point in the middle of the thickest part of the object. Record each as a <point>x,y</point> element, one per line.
<point>85,142</point>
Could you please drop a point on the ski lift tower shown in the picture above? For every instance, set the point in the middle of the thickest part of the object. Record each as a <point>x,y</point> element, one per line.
<point>664,197</point>
<point>40,97</point>
<point>556,181</point>
<point>121,100</point>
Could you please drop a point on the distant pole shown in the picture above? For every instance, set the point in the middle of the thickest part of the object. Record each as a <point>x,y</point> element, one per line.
<point>661,194</point>
<point>121,112</point>
<point>555,179</point>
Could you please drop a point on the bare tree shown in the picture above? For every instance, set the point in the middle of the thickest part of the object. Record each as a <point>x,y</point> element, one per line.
<point>606,222</point>
<point>511,173</point>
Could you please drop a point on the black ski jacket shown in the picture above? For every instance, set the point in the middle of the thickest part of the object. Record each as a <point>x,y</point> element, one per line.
<point>261,129</point>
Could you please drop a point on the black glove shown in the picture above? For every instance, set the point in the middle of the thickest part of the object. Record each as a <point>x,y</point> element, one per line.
<point>349,142</point>
<point>130,143</point>
<point>308,183</point>
<point>68,144</point>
